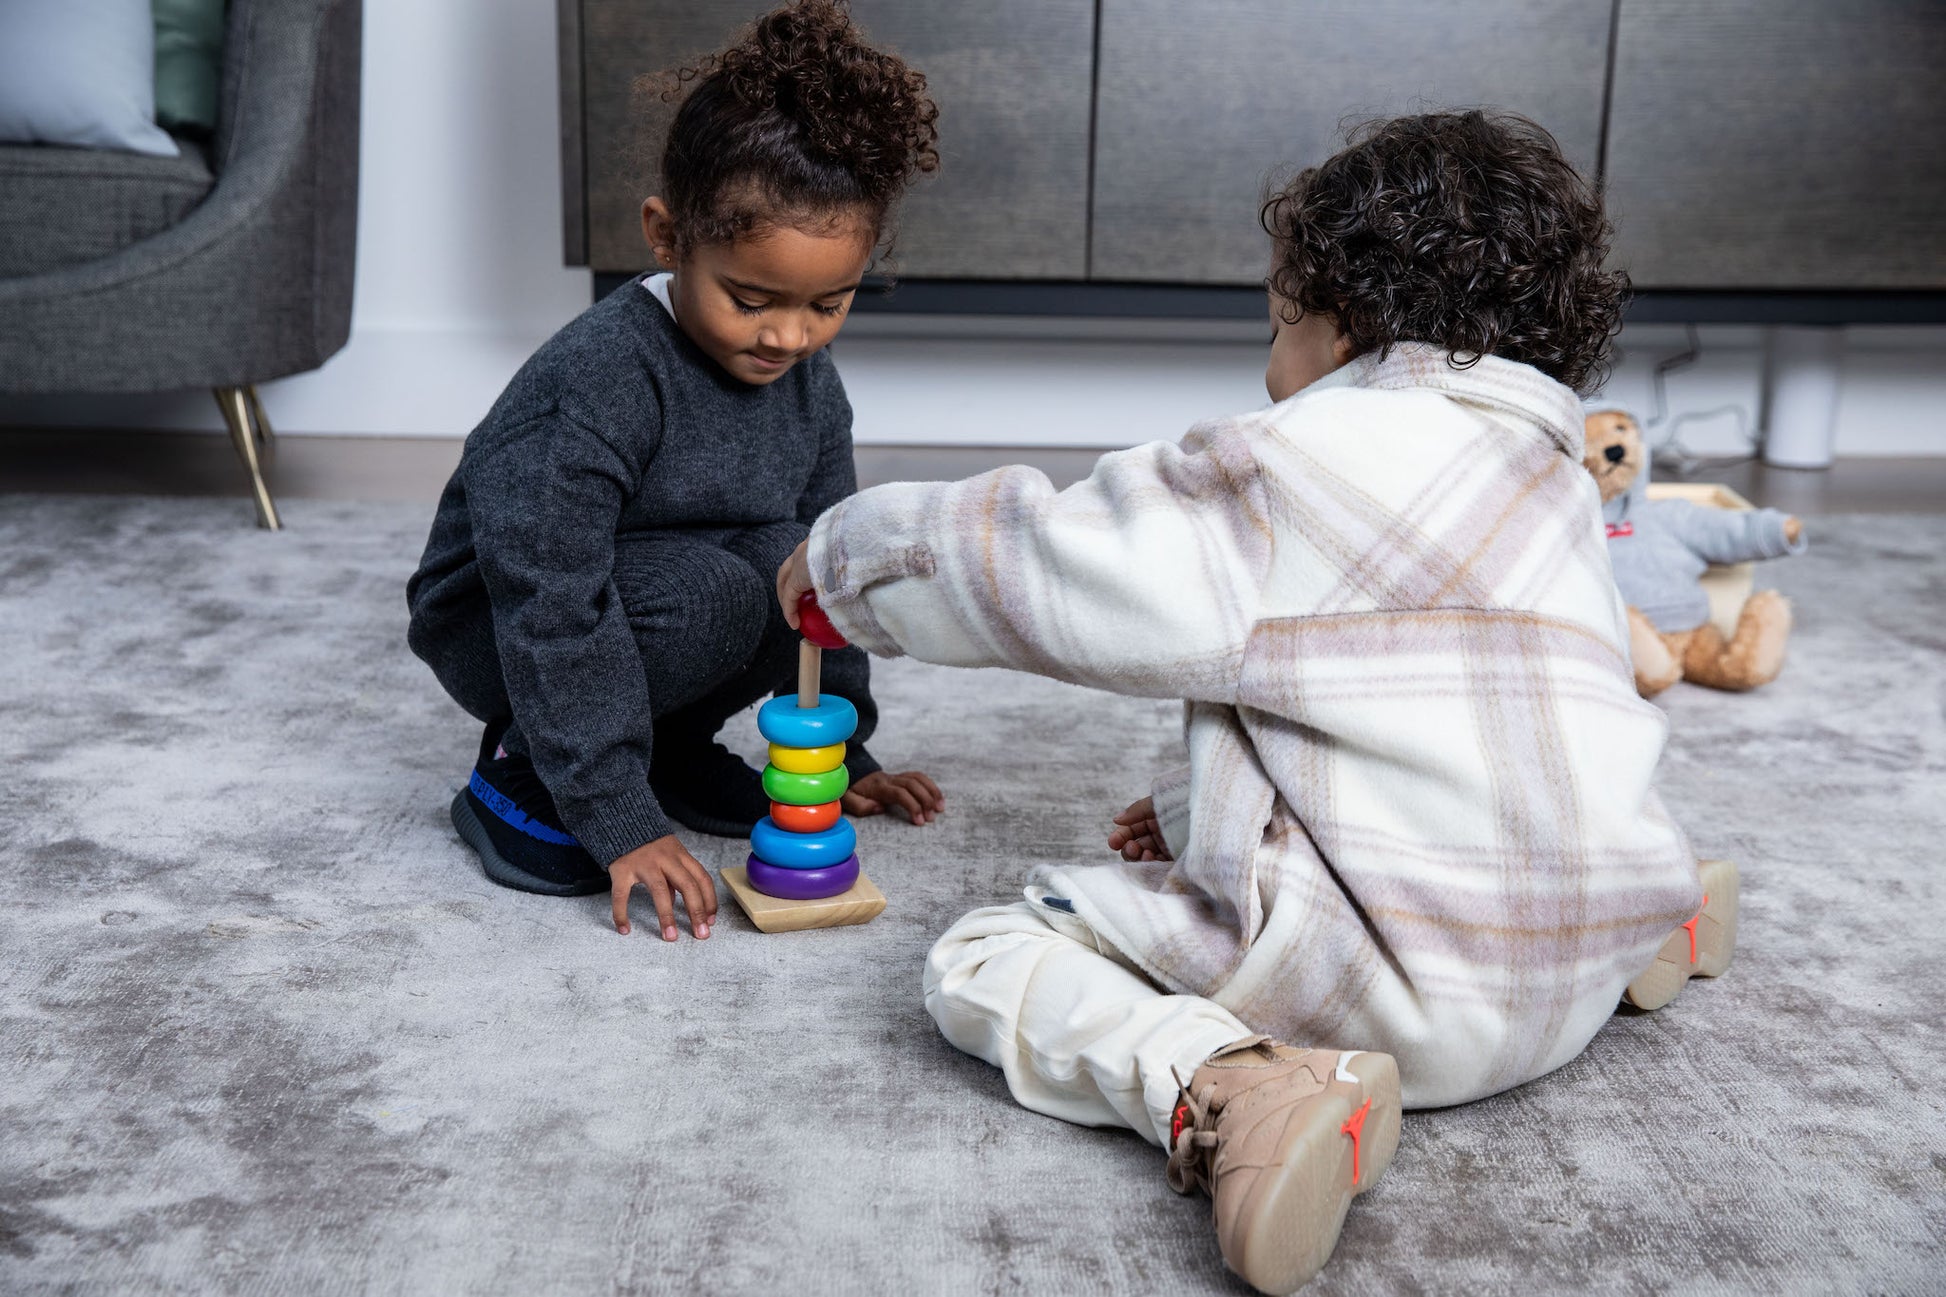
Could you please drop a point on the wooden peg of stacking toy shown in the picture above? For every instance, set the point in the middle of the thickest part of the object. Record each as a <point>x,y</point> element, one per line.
<point>803,867</point>
<point>819,634</point>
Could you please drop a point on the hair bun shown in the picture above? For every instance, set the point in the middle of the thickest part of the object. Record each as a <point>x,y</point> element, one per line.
<point>798,120</point>
<point>862,108</point>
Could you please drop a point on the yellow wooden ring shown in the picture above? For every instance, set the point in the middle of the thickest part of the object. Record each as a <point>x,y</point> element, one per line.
<point>807,761</point>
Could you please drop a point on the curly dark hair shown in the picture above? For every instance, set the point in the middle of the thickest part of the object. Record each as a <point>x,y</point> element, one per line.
<point>799,122</point>
<point>1466,230</point>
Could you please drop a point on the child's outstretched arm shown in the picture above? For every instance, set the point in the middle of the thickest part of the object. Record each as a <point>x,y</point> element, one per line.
<point>1143,579</point>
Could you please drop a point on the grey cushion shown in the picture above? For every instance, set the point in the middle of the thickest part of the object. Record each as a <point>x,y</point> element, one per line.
<point>61,207</point>
<point>188,63</point>
<point>79,72</point>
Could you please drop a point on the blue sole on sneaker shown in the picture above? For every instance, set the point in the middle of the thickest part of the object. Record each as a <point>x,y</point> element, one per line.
<point>499,869</point>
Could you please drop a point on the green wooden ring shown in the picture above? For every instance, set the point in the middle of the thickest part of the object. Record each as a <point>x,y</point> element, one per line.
<point>805,790</point>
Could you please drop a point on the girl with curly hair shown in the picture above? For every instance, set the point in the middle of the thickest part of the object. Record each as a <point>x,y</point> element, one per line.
<point>597,586</point>
<point>1415,835</point>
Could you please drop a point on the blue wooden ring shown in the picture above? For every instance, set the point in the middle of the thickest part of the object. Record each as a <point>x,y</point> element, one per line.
<point>787,850</point>
<point>802,884</point>
<point>783,722</point>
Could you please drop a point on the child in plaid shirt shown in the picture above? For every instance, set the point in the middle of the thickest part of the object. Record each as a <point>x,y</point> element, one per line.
<point>1415,836</point>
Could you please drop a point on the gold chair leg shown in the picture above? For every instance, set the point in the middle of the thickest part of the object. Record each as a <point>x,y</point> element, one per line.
<point>236,402</point>
<point>266,440</point>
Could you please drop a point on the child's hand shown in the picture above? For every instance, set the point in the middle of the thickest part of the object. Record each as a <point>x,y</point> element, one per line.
<point>667,870</point>
<point>918,796</point>
<point>1138,834</point>
<point>793,579</point>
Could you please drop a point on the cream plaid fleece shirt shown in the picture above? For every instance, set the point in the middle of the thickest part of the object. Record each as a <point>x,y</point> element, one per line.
<point>1417,814</point>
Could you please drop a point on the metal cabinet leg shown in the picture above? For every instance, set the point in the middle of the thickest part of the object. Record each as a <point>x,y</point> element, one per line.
<point>250,432</point>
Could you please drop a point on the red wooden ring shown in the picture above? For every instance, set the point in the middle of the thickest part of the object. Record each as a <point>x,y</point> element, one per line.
<point>805,819</point>
<point>813,625</point>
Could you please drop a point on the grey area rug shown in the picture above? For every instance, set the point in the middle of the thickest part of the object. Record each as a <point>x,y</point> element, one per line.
<point>265,1027</point>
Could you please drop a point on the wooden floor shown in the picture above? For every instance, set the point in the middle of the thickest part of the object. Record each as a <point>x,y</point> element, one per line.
<point>66,461</point>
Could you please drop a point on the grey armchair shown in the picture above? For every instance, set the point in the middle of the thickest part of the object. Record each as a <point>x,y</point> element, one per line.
<point>223,268</point>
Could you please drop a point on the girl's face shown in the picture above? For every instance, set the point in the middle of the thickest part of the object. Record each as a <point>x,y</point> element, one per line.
<point>765,301</point>
<point>1301,353</point>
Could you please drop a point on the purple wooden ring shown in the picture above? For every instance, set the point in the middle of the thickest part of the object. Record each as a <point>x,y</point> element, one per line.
<point>802,884</point>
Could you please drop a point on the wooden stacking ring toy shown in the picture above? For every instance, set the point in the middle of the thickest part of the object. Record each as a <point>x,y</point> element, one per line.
<point>805,819</point>
<point>786,850</point>
<point>803,868</point>
<point>807,761</point>
<point>802,884</point>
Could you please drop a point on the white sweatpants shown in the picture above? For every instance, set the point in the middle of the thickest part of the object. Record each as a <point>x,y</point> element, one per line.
<point>1079,1032</point>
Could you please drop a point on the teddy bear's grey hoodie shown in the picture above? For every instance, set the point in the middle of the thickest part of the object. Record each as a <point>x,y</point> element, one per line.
<point>1659,549</point>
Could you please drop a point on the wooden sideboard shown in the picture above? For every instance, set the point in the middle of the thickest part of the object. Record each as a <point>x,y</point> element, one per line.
<point>1748,147</point>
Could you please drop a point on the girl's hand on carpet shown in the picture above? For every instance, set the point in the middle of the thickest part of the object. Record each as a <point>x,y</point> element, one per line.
<point>667,870</point>
<point>1138,834</point>
<point>915,794</point>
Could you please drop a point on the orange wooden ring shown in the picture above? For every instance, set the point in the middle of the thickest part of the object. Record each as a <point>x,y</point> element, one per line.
<point>805,819</point>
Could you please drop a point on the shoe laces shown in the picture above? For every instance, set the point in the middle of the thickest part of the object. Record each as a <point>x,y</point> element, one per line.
<point>1192,1138</point>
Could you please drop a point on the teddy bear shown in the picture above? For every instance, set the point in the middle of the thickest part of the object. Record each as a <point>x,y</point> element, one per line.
<point>1660,548</point>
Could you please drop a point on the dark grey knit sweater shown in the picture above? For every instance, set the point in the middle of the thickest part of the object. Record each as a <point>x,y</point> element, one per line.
<point>618,424</point>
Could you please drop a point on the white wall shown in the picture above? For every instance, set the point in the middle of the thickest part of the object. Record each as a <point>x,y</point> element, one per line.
<point>460,278</point>
<point>1112,391</point>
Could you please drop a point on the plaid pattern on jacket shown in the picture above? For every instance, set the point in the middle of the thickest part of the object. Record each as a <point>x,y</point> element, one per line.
<point>1417,815</point>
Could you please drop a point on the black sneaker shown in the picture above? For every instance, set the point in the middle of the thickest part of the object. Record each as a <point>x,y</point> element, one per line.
<point>506,814</point>
<point>706,787</point>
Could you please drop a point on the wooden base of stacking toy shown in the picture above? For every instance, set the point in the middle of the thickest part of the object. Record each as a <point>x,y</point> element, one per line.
<point>861,904</point>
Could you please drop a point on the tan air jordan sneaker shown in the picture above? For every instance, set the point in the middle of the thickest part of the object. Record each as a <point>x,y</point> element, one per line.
<point>1282,1139</point>
<point>1699,948</point>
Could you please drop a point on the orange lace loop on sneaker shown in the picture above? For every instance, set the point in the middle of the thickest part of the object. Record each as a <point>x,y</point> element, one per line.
<point>1192,1140</point>
<point>1690,927</point>
<point>1355,1126</point>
